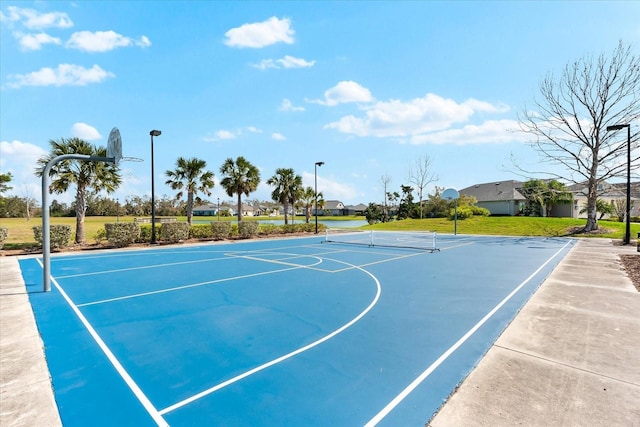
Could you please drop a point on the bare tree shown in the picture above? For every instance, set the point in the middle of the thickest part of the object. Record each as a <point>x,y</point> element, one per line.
<point>569,122</point>
<point>421,175</point>
<point>385,180</point>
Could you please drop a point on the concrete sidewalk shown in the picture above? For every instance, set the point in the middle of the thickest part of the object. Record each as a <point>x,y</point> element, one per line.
<point>570,358</point>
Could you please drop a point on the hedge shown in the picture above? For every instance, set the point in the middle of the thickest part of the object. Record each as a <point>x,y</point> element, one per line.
<point>4,233</point>
<point>59,235</point>
<point>174,232</point>
<point>121,234</point>
<point>221,230</point>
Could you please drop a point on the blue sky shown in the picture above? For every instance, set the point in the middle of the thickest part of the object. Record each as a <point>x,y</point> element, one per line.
<point>366,87</point>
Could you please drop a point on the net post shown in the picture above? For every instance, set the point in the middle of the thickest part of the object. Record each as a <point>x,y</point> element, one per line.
<point>435,238</point>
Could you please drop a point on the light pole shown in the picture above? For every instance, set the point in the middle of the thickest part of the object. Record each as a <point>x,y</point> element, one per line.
<point>153,199</point>
<point>315,170</point>
<point>627,231</point>
<point>218,208</point>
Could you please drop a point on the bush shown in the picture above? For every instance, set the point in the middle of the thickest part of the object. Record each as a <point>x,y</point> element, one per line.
<point>477,210</point>
<point>221,230</point>
<point>59,235</point>
<point>200,231</point>
<point>248,229</point>
<point>121,234</point>
<point>100,235</point>
<point>270,229</point>
<point>174,232</point>
<point>4,233</point>
<point>464,212</point>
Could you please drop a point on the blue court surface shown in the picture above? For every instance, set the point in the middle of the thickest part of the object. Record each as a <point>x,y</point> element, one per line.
<point>283,332</point>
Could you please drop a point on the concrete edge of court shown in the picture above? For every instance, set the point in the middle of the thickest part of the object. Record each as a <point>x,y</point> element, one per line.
<point>570,357</point>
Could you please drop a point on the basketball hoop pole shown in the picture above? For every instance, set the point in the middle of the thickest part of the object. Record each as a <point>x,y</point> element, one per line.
<point>46,245</point>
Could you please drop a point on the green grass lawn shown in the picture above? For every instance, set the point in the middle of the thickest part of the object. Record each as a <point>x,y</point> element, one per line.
<point>21,233</point>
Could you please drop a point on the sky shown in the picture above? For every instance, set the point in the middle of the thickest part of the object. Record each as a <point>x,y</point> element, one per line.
<point>368,88</point>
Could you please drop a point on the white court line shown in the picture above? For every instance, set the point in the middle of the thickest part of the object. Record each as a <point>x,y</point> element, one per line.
<point>144,267</point>
<point>286,356</point>
<point>404,393</point>
<point>153,412</point>
<point>193,285</point>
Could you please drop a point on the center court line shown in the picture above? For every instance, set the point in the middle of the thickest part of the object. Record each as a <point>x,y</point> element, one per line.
<point>286,356</point>
<point>404,393</point>
<point>144,400</point>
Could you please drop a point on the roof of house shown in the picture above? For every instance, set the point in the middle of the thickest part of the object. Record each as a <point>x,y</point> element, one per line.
<point>495,191</point>
<point>608,190</point>
<point>333,204</point>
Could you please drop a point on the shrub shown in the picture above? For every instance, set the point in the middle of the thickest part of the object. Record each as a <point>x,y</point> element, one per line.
<point>248,229</point>
<point>174,231</point>
<point>4,233</point>
<point>477,210</point>
<point>464,212</point>
<point>100,235</point>
<point>59,235</point>
<point>200,231</point>
<point>121,234</point>
<point>270,229</point>
<point>221,230</point>
<point>145,233</point>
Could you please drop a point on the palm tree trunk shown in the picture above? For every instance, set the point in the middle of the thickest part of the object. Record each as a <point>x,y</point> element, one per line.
<point>239,207</point>
<point>286,213</point>
<point>81,207</point>
<point>189,207</point>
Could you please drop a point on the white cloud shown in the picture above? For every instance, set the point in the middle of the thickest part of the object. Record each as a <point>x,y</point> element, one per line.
<point>489,132</point>
<point>103,41</point>
<point>34,20</point>
<point>21,159</point>
<point>286,62</point>
<point>288,106</point>
<point>222,135</point>
<point>261,34</point>
<point>330,188</point>
<point>344,92</point>
<point>292,62</point>
<point>419,116</point>
<point>254,129</point>
<point>85,131</point>
<point>35,41</point>
<point>64,75</point>
<point>278,136</point>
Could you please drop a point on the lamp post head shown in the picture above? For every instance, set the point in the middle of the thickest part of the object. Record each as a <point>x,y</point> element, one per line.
<point>319,163</point>
<point>155,133</point>
<point>616,127</point>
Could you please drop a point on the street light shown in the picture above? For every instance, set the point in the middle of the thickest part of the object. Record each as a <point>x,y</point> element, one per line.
<point>315,170</point>
<point>153,200</point>
<point>627,232</point>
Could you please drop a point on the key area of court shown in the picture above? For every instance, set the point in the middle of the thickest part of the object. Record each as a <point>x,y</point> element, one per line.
<point>277,332</point>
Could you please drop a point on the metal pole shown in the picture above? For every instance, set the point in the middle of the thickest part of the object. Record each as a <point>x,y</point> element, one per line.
<point>46,224</point>
<point>153,199</point>
<point>627,232</point>
<point>315,169</point>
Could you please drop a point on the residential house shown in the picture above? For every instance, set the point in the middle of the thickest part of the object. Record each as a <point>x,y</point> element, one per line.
<point>609,193</point>
<point>500,198</point>
<point>355,209</point>
<point>331,207</point>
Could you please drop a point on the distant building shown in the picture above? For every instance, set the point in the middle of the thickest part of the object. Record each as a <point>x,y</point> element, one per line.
<point>609,193</point>
<point>500,198</point>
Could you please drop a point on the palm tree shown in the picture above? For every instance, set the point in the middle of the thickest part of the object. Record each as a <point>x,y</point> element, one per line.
<point>287,186</point>
<point>240,177</point>
<point>308,199</point>
<point>86,175</point>
<point>189,175</point>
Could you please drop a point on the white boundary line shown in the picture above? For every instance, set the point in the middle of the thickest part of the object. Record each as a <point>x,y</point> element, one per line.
<point>153,412</point>
<point>404,393</point>
<point>286,356</point>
